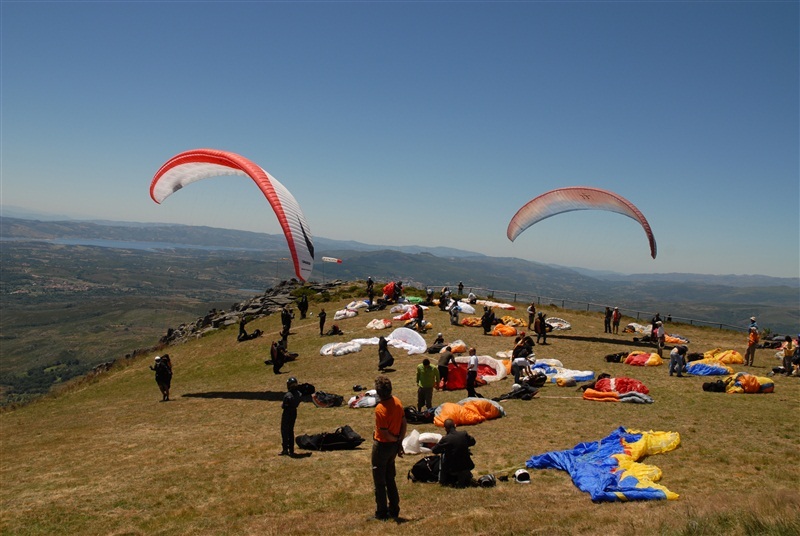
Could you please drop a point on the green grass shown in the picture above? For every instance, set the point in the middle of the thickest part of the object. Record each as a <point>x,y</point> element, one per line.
<point>105,457</point>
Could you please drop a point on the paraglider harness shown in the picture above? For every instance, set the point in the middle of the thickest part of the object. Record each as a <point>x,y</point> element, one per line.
<point>334,331</point>
<point>426,470</point>
<point>343,438</point>
<point>249,336</point>
<point>163,371</point>
<point>414,416</point>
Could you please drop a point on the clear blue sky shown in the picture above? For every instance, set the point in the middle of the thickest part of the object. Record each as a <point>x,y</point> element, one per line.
<point>427,123</point>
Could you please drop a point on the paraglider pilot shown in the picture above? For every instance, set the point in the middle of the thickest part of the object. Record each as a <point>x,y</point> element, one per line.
<point>290,402</point>
<point>457,462</point>
<point>163,370</point>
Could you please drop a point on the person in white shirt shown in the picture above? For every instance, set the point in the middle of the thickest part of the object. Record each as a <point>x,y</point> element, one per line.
<point>660,338</point>
<point>472,374</point>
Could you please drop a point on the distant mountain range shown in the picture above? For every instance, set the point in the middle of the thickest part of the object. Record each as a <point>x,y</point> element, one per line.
<point>725,299</point>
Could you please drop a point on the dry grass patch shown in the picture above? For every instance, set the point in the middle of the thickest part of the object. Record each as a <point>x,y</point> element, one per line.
<point>105,457</point>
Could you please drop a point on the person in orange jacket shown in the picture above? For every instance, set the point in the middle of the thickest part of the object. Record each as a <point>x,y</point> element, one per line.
<point>752,342</point>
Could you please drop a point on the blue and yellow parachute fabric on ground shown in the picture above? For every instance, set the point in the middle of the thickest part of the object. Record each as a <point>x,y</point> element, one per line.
<point>608,469</point>
<point>708,367</point>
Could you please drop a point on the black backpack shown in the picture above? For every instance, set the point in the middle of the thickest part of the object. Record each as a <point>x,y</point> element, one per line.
<point>616,358</point>
<point>426,469</point>
<point>414,416</point>
<point>344,438</point>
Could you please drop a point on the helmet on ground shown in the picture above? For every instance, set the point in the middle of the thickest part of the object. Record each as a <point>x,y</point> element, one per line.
<point>487,481</point>
<point>522,476</point>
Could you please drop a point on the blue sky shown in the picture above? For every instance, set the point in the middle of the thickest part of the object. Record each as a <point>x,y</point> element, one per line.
<point>427,123</point>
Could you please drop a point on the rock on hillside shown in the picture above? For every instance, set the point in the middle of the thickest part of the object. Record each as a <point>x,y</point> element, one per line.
<point>259,306</point>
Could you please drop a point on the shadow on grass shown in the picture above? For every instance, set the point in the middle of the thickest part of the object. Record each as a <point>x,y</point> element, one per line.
<point>271,396</point>
<point>600,338</point>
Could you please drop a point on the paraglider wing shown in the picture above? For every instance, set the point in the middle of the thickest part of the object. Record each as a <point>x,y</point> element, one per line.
<point>576,198</point>
<point>191,166</point>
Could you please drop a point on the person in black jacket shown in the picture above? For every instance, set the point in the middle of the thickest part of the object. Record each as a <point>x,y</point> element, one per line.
<point>302,306</point>
<point>607,320</point>
<point>487,320</point>
<point>277,356</point>
<point>286,318</point>
<point>322,316</point>
<point>163,370</point>
<point>456,465</point>
<point>385,359</point>
<point>290,402</point>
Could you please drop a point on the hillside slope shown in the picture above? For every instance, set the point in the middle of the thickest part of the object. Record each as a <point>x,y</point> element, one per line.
<point>106,457</point>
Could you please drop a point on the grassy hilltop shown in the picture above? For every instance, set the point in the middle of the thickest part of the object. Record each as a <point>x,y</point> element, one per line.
<point>104,456</point>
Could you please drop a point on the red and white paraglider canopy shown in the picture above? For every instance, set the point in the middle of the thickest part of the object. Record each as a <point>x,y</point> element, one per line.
<point>191,166</point>
<point>576,198</point>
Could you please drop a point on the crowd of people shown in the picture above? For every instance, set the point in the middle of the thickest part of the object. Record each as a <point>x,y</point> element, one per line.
<point>390,420</point>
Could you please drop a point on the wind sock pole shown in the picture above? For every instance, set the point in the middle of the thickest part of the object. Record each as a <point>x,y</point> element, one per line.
<point>328,259</point>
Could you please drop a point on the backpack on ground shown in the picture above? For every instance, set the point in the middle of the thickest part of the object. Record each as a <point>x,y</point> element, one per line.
<point>343,438</point>
<point>616,358</point>
<point>537,379</point>
<point>426,469</point>
<point>414,416</point>
<point>322,399</point>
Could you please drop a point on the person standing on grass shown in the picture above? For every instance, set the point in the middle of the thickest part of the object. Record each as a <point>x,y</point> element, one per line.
<point>472,374</point>
<point>445,358</point>
<point>322,316</point>
<point>660,336</point>
<point>653,325</point>
<point>385,359</point>
<point>420,318</point>
<point>752,342</point>
<point>286,318</point>
<point>531,310</point>
<point>789,351</point>
<point>487,319</point>
<point>607,320</point>
<point>163,369</point>
<point>427,378</point>
<point>390,429</point>
<point>616,316</point>
<point>289,416</point>
<point>540,328</point>
<point>302,306</point>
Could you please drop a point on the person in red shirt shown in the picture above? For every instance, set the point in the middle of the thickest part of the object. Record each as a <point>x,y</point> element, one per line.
<point>390,429</point>
<point>615,318</point>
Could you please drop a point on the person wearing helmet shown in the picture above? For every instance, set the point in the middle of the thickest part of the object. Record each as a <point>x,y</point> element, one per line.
<point>163,369</point>
<point>290,402</point>
<point>752,343</point>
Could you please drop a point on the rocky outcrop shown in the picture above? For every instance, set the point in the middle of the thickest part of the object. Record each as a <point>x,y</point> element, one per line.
<point>272,301</point>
